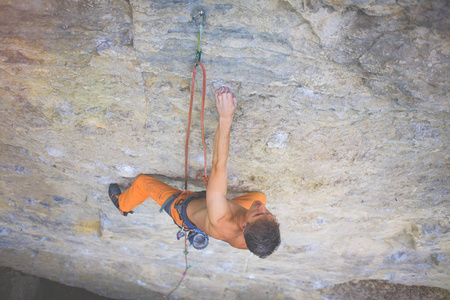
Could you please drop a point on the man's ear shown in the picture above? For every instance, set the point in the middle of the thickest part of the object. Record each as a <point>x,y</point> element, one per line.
<point>243,225</point>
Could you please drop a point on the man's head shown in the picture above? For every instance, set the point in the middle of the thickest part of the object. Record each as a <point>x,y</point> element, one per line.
<point>262,231</point>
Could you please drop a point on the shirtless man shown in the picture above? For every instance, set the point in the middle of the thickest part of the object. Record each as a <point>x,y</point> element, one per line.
<point>243,222</point>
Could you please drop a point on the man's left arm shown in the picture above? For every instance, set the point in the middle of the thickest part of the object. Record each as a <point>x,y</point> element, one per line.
<point>216,202</point>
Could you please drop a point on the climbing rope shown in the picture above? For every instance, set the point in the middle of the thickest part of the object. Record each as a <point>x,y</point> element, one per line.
<point>203,175</point>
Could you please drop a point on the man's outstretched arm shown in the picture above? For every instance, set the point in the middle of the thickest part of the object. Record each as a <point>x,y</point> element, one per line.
<point>217,204</point>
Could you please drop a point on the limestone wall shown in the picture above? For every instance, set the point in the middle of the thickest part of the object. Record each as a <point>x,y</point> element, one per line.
<point>342,122</point>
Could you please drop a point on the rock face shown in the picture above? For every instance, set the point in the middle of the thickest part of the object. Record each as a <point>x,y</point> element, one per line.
<point>342,122</point>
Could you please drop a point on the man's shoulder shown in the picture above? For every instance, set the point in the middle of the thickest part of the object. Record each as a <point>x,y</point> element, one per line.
<point>227,229</point>
<point>232,236</point>
<point>240,245</point>
<point>238,241</point>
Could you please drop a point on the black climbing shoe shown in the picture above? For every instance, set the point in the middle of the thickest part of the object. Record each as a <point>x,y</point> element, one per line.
<point>114,192</point>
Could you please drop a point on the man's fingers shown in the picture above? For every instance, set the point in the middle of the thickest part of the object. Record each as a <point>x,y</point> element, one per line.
<point>223,89</point>
<point>225,94</point>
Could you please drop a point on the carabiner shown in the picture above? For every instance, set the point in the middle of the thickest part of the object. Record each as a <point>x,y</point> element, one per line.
<point>201,13</point>
<point>181,233</point>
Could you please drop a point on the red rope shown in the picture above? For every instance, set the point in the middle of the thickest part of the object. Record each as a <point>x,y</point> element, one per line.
<point>203,175</point>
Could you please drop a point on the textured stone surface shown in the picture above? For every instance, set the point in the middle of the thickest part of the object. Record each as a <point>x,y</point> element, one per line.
<point>16,285</point>
<point>342,122</point>
<point>379,289</point>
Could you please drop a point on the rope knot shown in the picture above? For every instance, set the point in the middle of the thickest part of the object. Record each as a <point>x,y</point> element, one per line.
<point>203,177</point>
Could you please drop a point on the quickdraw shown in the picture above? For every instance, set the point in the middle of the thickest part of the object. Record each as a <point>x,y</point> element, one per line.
<point>200,25</point>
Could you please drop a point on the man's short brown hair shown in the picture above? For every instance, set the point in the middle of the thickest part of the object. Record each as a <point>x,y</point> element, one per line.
<point>262,236</point>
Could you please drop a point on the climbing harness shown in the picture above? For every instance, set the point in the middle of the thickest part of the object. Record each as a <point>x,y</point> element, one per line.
<point>197,238</point>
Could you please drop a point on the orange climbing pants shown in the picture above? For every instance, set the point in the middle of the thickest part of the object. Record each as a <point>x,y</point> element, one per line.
<point>145,186</point>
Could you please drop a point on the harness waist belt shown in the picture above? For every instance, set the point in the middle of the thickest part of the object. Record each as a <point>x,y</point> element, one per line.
<point>181,208</point>
<point>168,203</point>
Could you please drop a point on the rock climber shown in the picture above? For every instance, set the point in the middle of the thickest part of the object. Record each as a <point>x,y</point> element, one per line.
<point>243,222</point>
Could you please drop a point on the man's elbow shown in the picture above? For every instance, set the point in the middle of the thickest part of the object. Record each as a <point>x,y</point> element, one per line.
<point>218,167</point>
